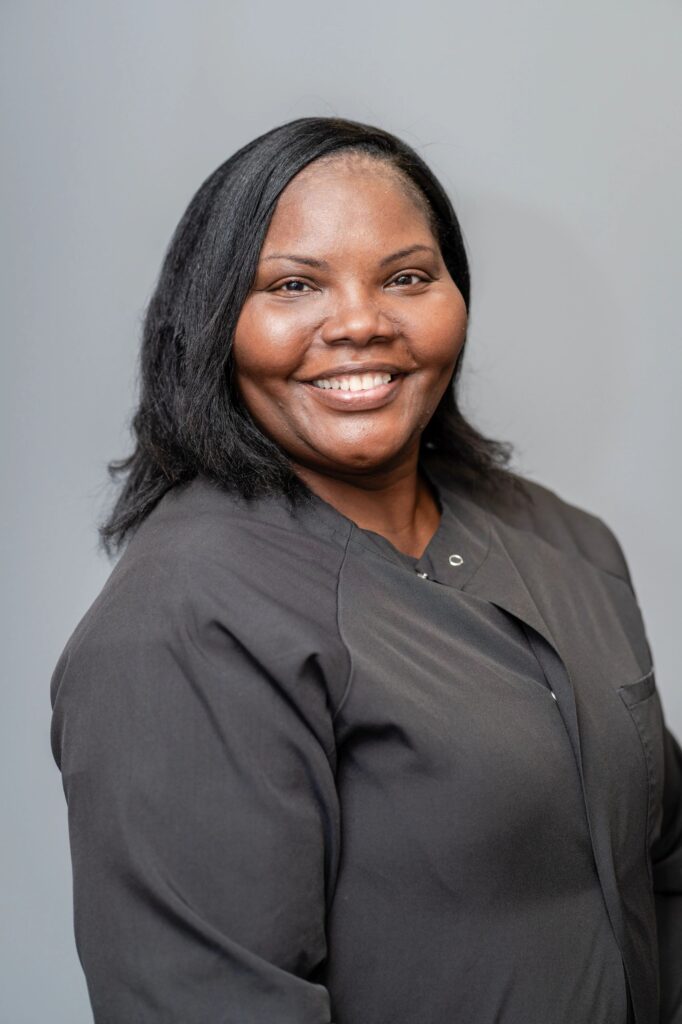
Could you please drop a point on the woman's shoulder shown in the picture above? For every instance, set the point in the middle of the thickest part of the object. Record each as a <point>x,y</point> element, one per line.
<point>202,559</point>
<point>530,506</point>
<point>546,513</point>
<point>203,523</point>
<point>214,598</point>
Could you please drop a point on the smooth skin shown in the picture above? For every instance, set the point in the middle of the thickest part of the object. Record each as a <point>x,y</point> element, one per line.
<point>352,304</point>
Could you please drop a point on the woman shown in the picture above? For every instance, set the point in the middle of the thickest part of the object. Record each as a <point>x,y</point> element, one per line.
<point>363,727</point>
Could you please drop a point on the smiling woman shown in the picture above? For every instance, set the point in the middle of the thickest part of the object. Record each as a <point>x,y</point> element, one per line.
<point>230,260</point>
<point>376,298</point>
<point>364,726</point>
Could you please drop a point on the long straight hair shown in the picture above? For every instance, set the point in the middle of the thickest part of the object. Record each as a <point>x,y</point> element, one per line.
<point>190,418</point>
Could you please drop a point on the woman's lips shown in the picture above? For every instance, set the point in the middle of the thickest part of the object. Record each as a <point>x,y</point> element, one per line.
<point>350,401</point>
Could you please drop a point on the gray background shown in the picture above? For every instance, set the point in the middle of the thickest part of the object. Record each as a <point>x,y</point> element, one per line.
<point>552,124</point>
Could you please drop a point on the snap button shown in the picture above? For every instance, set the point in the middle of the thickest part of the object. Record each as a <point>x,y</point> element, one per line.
<point>455,559</point>
<point>422,575</point>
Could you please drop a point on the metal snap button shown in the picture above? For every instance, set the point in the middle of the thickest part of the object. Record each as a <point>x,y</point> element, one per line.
<point>455,559</point>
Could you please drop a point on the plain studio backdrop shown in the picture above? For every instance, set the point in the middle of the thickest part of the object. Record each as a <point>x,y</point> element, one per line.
<point>552,123</point>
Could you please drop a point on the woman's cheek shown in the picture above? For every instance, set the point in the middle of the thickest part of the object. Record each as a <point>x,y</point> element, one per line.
<point>267,346</point>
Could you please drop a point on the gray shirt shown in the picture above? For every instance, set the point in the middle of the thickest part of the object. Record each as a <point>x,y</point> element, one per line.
<point>312,779</point>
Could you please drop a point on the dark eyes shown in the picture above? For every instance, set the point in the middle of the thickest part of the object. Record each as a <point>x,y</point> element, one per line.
<point>417,278</point>
<point>292,291</point>
<point>295,286</point>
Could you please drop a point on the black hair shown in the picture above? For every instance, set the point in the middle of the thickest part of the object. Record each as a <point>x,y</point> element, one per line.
<point>190,418</point>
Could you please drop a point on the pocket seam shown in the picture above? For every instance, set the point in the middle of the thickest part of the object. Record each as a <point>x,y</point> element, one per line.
<point>647,751</point>
<point>626,688</point>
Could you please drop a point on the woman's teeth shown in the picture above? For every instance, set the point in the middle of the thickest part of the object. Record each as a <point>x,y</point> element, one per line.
<point>353,381</point>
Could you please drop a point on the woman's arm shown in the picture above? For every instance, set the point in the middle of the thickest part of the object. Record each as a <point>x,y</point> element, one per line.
<point>203,821</point>
<point>667,874</point>
<point>666,856</point>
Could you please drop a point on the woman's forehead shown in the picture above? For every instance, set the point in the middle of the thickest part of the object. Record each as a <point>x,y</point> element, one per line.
<point>331,199</point>
<point>349,168</point>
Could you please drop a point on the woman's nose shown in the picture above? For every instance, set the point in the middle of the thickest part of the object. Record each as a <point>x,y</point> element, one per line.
<point>357,318</point>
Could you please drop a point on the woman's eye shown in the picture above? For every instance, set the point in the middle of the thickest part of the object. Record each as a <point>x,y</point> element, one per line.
<point>295,290</point>
<point>415,278</point>
<point>294,286</point>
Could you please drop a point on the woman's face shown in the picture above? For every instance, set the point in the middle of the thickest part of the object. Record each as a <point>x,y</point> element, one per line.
<point>350,287</point>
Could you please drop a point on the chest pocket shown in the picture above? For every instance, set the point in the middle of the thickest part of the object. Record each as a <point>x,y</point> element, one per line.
<point>642,701</point>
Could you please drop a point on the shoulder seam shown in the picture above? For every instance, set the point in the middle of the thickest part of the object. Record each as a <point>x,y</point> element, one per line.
<point>349,681</point>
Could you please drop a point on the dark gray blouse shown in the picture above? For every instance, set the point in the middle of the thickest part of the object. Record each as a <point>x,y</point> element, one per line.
<point>312,779</point>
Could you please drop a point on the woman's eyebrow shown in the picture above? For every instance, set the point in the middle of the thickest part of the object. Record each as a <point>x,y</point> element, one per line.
<point>308,261</point>
<point>401,253</point>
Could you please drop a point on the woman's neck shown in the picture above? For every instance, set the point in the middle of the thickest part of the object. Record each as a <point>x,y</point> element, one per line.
<point>398,504</point>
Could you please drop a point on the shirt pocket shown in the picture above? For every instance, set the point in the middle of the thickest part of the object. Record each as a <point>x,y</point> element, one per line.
<point>642,701</point>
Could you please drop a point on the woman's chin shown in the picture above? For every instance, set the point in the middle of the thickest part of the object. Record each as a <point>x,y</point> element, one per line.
<point>360,460</point>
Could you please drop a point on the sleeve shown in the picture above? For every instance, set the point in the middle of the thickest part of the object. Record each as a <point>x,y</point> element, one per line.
<point>667,875</point>
<point>203,821</point>
<point>666,857</point>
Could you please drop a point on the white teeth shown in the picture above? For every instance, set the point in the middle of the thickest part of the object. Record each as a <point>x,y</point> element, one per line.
<point>353,381</point>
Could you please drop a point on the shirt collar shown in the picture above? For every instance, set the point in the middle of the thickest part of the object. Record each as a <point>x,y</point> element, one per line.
<point>455,552</point>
